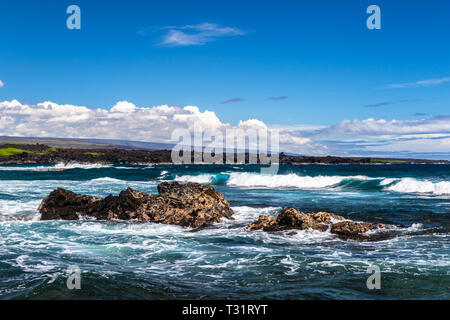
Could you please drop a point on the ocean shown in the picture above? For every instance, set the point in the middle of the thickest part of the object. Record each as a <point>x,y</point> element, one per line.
<point>133,260</point>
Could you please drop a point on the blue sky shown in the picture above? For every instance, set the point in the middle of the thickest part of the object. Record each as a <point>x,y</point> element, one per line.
<point>285,63</point>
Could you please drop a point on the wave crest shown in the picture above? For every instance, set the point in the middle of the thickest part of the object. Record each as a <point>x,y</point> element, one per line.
<point>411,185</point>
<point>291,180</point>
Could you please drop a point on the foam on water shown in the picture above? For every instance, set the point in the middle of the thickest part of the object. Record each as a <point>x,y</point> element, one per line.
<point>59,166</point>
<point>411,185</point>
<point>279,181</point>
<point>225,259</point>
<point>286,180</point>
<point>202,178</point>
<point>75,165</point>
<point>245,179</point>
<point>18,210</point>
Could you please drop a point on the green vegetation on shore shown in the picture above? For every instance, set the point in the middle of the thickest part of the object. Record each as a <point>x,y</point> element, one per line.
<point>10,151</point>
<point>388,160</point>
<point>96,154</point>
<point>6,152</point>
<point>382,160</point>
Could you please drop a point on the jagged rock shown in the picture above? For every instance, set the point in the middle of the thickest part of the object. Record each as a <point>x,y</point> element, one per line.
<point>263,222</point>
<point>291,218</point>
<point>325,217</point>
<point>189,204</point>
<point>64,204</point>
<point>354,230</point>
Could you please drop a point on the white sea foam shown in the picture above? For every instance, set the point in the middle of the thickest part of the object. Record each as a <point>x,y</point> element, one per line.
<point>287,180</point>
<point>411,185</point>
<point>291,180</point>
<point>415,227</point>
<point>12,207</point>
<point>202,178</point>
<point>58,166</point>
<point>131,229</point>
<point>387,181</point>
<point>107,180</point>
<point>248,214</point>
<point>76,165</point>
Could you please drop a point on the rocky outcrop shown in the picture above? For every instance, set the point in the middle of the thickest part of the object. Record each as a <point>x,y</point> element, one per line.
<point>64,204</point>
<point>291,218</point>
<point>325,217</point>
<point>190,205</point>
<point>354,230</point>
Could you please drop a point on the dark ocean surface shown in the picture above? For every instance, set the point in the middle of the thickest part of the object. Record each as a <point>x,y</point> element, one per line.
<point>132,260</point>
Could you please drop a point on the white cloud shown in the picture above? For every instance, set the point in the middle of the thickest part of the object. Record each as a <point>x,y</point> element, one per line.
<point>299,127</point>
<point>415,145</point>
<point>123,106</point>
<point>373,127</point>
<point>126,121</point>
<point>199,34</point>
<point>429,137</point>
<point>1,84</point>
<point>252,124</point>
<point>123,121</point>
<point>421,83</point>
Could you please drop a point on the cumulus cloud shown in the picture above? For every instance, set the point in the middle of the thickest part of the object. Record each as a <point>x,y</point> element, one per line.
<point>198,34</point>
<point>126,121</point>
<point>123,121</point>
<point>421,83</point>
<point>252,124</point>
<point>1,84</point>
<point>123,107</point>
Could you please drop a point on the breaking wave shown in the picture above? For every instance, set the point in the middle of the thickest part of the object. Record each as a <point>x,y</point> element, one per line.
<point>359,182</point>
<point>58,166</point>
<point>254,180</point>
<point>286,180</point>
<point>411,185</point>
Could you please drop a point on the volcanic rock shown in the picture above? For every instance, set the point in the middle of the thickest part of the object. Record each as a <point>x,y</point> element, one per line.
<point>354,230</point>
<point>291,218</point>
<point>325,217</point>
<point>64,205</point>
<point>189,205</point>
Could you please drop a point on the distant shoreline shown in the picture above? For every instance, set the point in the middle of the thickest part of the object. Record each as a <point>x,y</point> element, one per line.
<point>20,154</point>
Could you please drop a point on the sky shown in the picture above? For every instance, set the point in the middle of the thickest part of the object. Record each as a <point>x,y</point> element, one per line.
<point>136,70</point>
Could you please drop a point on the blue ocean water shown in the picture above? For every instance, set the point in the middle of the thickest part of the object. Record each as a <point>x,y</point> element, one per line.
<point>132,260</point>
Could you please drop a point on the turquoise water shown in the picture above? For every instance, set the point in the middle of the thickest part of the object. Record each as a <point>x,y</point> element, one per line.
<point>131,260</point>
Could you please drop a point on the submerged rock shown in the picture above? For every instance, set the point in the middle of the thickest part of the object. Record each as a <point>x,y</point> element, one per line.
<point>291,218</point>
<point>190,205</point>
